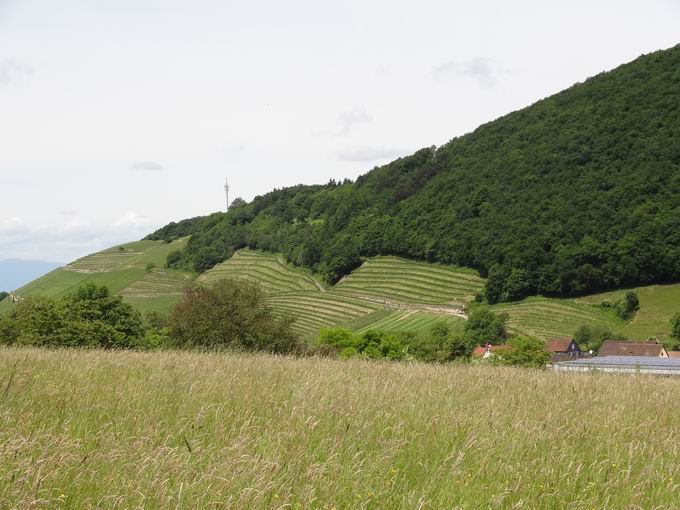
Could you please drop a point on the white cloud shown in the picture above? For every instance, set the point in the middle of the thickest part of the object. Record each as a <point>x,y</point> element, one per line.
<point>367,153</point>
<point>147,166</point>
<point>347,121</point>
<point>480,69</point>
<point>12,71</point>
<point>70,240</point>
<point>131,219</point>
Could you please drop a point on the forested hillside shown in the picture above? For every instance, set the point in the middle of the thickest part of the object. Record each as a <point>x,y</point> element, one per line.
<point>577,193</point>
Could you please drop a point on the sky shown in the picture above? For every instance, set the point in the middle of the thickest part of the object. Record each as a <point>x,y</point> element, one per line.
<point>119,117</point>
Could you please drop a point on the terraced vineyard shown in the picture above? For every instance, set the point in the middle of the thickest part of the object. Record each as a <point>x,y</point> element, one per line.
<point>267,269</point>
<point>405,281</point>
<point>546,318</point>
<point>156,283</point>
<point>122,269</point>
<point>384,293</point>
<point>315,309</point>
<point>411,321</point>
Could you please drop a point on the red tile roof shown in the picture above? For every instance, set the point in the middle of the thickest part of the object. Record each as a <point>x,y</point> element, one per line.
<point>478,351</point>
<point>610,348</point>
<point>674,354</point>
<point>558,344</point>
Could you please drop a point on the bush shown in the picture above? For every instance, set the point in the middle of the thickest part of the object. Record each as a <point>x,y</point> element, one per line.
<point>483,326</point>
<point>150,266</point>
<point>591,337</point>
<point>523,352</point>
<point>433,345</point>
<point>91,317</point>
<point>675,326</point>
<point>628,306</point>
<point>173,259</point>
<point>372,344</point>
<point>339,338</point>
<point>3,295</point>
<point>232,314</point>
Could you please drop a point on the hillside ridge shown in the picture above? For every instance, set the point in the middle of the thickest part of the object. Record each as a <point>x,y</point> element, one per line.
<point>575,194</point>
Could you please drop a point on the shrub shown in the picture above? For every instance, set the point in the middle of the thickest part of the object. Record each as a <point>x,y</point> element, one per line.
<point>379,344</point>
<point>484,326</point>
<point>524,352</point>
<point>433,345</point>
<point>150,266</point>
<point>675,326</point>
<point>173,259</point>
<point>591,337</point>
<point>339,338</point>
<point>372,344</point>
<point>91,317</point>
<point>231,314</point>
<point>627,307</point>
<point>3,295</point>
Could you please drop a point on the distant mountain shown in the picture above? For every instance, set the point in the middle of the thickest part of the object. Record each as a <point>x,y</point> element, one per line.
<point>15,273</point>
<point>577,193</point>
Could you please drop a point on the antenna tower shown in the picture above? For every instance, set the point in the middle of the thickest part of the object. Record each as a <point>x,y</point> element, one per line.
<point>226,190</point>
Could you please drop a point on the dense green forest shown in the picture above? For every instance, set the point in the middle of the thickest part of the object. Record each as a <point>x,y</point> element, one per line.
<point>577,193</point>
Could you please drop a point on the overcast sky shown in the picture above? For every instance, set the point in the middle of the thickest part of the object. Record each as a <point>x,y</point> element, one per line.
<point>117,117</point>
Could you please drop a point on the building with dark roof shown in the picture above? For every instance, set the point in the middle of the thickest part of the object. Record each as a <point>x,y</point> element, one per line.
<point>562,349</point>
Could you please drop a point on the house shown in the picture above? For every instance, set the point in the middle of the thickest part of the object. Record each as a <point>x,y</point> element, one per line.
<point>487,351</point>
<point>563,349</point>
<point>611,348</point>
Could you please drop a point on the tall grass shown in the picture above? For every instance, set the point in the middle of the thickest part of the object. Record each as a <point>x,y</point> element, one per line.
<point>186,430</point>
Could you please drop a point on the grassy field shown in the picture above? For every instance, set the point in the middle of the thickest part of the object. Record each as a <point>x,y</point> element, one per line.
<point>658,303</point>
<point>181,430</point>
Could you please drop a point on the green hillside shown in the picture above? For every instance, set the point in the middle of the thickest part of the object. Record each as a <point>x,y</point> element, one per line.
<point>658,303</point>
<point>126,270</point>
<point>546,317</point>
<point>386,293</point>
<point>576,194</point>
<point>550,205</point>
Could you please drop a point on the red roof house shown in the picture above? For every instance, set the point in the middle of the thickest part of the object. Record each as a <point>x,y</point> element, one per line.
<point>611,348</point>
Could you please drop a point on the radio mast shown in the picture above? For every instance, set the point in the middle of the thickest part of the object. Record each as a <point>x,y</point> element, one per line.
<point>226,190</point>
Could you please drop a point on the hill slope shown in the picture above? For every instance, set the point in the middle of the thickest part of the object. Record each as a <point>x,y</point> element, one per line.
<point>577,193</point>
<point>385,293</point>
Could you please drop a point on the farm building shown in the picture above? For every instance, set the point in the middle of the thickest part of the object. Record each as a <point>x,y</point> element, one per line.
<point>611,348</point>
<point>563,349</point>
<point>623,364</point>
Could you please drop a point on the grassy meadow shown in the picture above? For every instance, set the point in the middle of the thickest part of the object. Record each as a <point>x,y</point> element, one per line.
<point>95,429</point>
